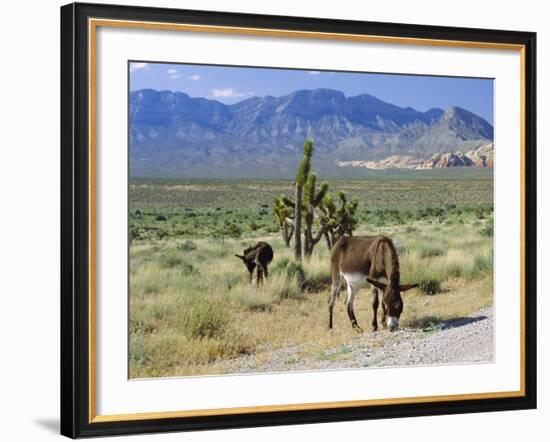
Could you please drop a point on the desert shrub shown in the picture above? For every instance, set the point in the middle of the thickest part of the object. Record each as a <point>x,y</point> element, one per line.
<point>484,262</point>
<point>160,218</point>
<point>482,265</point>
<point>205,319</point>
<point>161,233</point>
<point>233,231</point>
<point>139,356</point>
<point>135,233</point>
<point>140,324</point>
<point>429,251</point>
<point>256,300</point>
<point>317,273</point>
<point>282,286</point>
<point>289,268</point>
<point>173,352</point>
<point>187,246</point>
<point>186,268</point>
<point>410,229</point>
<point>430,286</point>
<point>230,280</point>
<point>480,214</point>
<point>170,261</point>
<point>271,228</point>
<point>176,262</point>
<point>488,229</point>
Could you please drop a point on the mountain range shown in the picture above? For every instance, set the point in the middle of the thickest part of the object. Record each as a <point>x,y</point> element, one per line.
<point>175,135</point>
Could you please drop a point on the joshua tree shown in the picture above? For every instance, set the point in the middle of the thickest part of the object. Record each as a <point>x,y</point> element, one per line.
<point>301,178</point>
<point>284,211</point>
<point>339,220</point>
<point>311,203</point>
<point>317,209</point>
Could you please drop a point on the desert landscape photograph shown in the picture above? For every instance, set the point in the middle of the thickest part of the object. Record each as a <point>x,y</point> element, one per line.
<point>291,220</point>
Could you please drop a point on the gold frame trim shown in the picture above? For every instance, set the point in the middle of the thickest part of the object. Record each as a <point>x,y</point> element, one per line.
<point>93,24</point>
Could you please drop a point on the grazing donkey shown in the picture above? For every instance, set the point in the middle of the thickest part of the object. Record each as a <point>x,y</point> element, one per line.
<point>257,257</point>
<point>364,261</point>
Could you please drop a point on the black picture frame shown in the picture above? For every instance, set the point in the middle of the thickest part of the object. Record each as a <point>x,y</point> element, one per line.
<point>75,220</point>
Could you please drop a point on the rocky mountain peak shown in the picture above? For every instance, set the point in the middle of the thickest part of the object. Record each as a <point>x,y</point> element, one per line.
<point>170,132</point>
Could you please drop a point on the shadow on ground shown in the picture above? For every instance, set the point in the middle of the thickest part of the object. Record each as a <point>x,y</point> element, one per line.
<point>435,322</point>
<point>461,322</point>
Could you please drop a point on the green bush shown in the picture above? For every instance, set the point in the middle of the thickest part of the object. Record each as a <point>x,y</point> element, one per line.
<point>187,246</point>
<point>488,229</point>
<point>230,280</point>
<point>139,356</point>
<point>205,319</point>
<point>480,214</point>
<point>170,261</point>
<point>483,264</point>
<point>135,233</point>
<point>290,269</point>
<point>430,286</point>
<point>176,262</point>
<point>430,251</point>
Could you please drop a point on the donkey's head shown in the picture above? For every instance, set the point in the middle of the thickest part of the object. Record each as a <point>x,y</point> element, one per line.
<point>249,263</point>
<point>392,300</point>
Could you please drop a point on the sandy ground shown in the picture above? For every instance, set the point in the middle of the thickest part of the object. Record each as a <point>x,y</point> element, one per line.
<point>463,340</point>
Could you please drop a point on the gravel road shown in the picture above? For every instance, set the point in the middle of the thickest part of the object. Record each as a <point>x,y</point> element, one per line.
<point>462,340</point>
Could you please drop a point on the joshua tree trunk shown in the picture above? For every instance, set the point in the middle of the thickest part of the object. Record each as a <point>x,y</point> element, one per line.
<point>308,248</point>
<point>311,241</point>
<point>298,224</point>
<point>327,240</point>
<point>288,231</point>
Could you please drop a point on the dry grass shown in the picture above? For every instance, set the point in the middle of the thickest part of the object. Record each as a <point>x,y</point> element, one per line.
<point>192,311</point>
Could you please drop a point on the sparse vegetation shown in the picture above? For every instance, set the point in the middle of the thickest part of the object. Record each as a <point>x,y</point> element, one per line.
<point>193,311</point>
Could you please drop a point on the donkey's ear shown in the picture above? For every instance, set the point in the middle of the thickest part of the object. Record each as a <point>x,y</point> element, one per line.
<point>240,257</point>
<point>377,284</point>
<point>405,287</point>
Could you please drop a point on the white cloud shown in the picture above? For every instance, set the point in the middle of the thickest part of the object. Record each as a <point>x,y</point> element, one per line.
<point>137,66</point>
<point>314,72</point>
<point>173,73</point>
<point>194,77</point>
<point>229,92</point>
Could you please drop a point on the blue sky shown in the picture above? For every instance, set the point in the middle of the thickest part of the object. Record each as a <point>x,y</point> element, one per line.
<point>232,84</point>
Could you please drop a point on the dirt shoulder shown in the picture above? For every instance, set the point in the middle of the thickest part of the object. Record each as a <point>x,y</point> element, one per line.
<point>463,340</point>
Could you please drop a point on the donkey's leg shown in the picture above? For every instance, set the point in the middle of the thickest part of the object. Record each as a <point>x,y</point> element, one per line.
<point>384,314</point>
<point>265,270</point>
<point>349,304</point>
<point>334,290</point>
<point>259,276</point>
<point>375,303</point>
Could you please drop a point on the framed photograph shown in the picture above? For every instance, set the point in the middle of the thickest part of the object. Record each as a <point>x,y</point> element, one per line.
<point>274,220</point>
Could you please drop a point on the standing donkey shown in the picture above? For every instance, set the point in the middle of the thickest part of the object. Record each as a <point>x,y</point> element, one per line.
<point>257,257</point>
<point>365,261</point>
